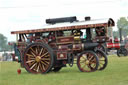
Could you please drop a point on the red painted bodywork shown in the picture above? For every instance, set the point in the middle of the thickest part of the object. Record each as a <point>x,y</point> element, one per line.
<point>65,40</point>
<point>113,45</point>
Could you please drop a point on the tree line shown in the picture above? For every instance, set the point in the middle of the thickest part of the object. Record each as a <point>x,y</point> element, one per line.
<point>122,24</point>
<point>4,43</point>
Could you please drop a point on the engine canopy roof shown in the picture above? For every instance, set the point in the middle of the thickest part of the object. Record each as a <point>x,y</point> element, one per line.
<point>70,26</point>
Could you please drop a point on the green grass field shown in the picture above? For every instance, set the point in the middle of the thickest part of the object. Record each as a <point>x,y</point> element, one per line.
<point>116,73</point>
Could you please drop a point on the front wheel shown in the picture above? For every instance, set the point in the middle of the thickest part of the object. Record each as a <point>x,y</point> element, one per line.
<point>87,61</point>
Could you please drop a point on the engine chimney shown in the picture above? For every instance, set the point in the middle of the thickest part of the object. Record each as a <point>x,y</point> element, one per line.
<point>87,18</point>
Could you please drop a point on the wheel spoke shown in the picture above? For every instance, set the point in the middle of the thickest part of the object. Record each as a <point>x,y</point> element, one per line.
<point>90,58</point>
<point>33,54</point>
<point>29,55</point>
<point>101,63</point>
<point>33,65</point>
<point>36,50</point>
<point>47,56</point>
<point>43,67</point>
<point>93,61</point>
<point>37,68</point>
<point>45,59</point>
<point>82,61</point>
<point>83,66</point>
<point>32,51</point>
<point>87,68</point>
<point>44,54</point>
<point>43,63</point>
<point>93,65</point>
<point>46,62</point>
<point>83,58</point>
<point>41,51</point>
<point>40,66</point>
<point>30,61</point>
<point>30,58</point>
<point>101,60</point>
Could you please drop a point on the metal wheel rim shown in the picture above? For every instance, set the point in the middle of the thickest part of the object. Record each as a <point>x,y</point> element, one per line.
<point>88,62</point>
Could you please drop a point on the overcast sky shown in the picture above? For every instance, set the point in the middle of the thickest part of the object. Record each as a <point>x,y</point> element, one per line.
<point>31,14</point>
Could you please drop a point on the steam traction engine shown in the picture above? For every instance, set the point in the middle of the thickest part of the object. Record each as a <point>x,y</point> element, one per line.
<point>61,42</point>
<point>117,45</point>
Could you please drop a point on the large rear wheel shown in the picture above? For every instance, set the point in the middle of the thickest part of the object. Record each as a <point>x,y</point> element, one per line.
<point>38,58</point>
<point>87,61</point>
